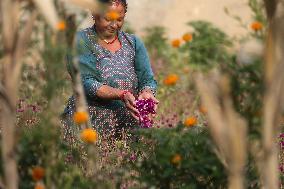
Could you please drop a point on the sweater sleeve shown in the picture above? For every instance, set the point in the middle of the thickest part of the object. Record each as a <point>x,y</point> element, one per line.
<point>143,68</point>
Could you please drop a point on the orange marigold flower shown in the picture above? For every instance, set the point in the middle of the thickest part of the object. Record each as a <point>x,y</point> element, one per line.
<point>171,79</point>
<point>89,135</point>
<point>190,121</point>
<point>176,43</point>
<point>187,37</point>
<point>37,173</point>
<point>61,26</point>
<point>80,117</point>
<point>256,26</point>
<point>176,159</point>
<point>202,109</point>
<point>112,15</point>
<point>39,186</point>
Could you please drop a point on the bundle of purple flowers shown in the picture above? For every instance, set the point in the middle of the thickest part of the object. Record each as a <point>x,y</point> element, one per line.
<point>145,107</point>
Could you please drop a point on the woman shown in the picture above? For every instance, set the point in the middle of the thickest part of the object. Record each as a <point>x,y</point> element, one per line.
<point>115,71</point>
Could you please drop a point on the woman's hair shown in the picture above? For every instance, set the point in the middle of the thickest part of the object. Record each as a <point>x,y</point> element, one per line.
<point>123,2</point>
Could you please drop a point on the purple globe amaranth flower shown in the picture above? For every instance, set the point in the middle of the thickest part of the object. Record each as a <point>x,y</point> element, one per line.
<point>145,107</point>
<point>281,135</point>
<point>281,144</point>
<point>34,108</point>
<point>132,157</point>
<point>281,169</point>
<point>19,110</point>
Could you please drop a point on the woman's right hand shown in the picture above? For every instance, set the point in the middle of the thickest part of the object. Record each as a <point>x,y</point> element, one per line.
<point>129,101</point>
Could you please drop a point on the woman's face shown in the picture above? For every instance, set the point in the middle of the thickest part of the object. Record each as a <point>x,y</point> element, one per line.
<point>105,25</point>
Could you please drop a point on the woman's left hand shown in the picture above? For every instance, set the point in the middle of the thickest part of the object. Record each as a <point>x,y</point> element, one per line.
<point>147,94</point>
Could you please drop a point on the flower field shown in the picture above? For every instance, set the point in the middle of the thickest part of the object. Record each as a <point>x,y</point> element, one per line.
<point>219,120</point>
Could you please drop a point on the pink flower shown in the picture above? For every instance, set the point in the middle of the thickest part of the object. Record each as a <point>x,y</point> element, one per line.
<point>133,157</point>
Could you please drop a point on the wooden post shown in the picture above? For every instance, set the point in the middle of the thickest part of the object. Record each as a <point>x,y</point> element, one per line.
<point>273,99</point>
<point>14,45</point>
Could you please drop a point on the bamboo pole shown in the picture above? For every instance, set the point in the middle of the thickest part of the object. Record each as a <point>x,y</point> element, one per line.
<point>81,104</point>
<point>228,129</point>
<point>9,11</point>
<point>15,43</point>
<point>273,99</point>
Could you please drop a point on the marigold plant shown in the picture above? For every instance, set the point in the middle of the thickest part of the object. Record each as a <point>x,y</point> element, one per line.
<point>187,37</point>
<point>38,173</point>
<point>171,79</point>
<point>80,117</point>
<point>190,121</point>
<point>89,135</point>
<point>176,43</point>
<point>256,26</point>
<point>176,159</point>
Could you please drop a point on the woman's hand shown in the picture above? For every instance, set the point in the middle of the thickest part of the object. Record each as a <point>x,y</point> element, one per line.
<point>129,101</point>
<point>147,94</point>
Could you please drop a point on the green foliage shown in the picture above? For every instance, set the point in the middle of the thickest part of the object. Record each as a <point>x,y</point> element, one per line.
<point>247,91</point>
<point>208,49</point>
<point>258,10</point>
<point>199,166</point>
<point>257,7</point>
<point>53,56</point>
<point>43,146</point>
<point>156,41</point>
<point>247,79</point>
<point>208,46</point>
<point>41,143</point>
